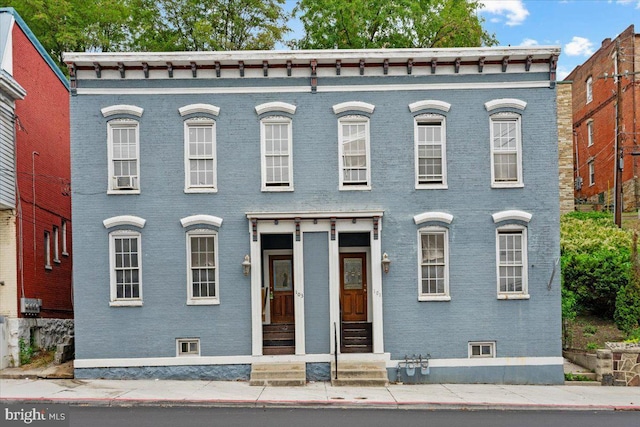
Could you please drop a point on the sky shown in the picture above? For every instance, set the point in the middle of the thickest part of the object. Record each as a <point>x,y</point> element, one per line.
<point>577,26</point>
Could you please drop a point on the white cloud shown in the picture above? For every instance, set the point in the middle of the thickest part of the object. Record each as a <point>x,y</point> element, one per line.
<point>625,2</point>
<point>514,10</point>
<point>579,46</point>
<point>529,42</point>
<point>562,73</point>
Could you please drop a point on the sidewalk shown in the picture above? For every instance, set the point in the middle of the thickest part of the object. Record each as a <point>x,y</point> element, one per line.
<point>318,394</point>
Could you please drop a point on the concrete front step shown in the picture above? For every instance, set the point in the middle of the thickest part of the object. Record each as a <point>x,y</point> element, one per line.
<point>278,374</point>
<point>359,374</point>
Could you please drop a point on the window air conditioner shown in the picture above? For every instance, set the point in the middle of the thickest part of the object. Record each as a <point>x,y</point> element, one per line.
<point>125,182</point>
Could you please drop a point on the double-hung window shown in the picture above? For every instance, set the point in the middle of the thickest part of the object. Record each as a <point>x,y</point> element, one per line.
<point>592,172</point>
<point>506,150</point>
<point>589,89</point>
<point>277,159</point>
<point>124,159</point>
<point>47,250</point>
<point>200,155</point>
<point>512,262</point>
<point>430,151</point>
<point>433,264</point>
<point>590,133</point>
<point>354,153</point>
<point>126,268</point>
<point>202,267</point>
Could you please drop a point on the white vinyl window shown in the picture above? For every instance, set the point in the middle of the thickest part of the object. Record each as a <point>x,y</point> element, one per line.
<point>590,133</point>
<point>430,151</point>
<point>200,155</point>
<point>202,267</point>
<point>433,268</point>
<point>511,260</point>
<point>63,231</point>
<point>589,89</point>
<point>482,349</point>
<point>592,173</point>
<point>47,250</point>
<point>188,347</point>
<point>506,150</point>
<point>56,245</point>
<point>276,149</point>
<point>126,268</point>
<point>354,153</point>
<point>124,159</point>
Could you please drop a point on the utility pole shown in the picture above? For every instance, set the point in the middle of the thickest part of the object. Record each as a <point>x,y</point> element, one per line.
<point>619,156</point>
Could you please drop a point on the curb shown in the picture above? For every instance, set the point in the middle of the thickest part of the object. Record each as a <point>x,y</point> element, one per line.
<point>101,402</point>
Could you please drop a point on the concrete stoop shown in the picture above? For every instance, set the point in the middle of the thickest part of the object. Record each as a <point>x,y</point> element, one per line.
<point>360,374</point>
<point>278,374</point>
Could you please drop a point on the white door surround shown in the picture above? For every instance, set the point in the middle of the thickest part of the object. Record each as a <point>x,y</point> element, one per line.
<point>333,223</point>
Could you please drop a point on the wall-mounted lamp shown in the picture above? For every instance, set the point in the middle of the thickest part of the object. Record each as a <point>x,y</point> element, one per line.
<point>246,265</point>
<point>385,262</point>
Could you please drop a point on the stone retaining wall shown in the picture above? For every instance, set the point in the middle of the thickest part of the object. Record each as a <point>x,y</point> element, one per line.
<point>43,333</point>
<point>620,362</point>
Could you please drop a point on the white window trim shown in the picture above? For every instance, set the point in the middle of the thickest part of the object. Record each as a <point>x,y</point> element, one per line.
<point>592,172</point>
<point>589,89</point>
<point>180,341</point>
<point>354,119</point>
<point>63,230</point>
<point>119,123</point>
<point>590,133</point>
<point>430,118</point>
<point>491,344</point>
<point>191,300</point>
<point>188,187</point>
<point>47,251</point>
<point>128,302</point>
<point>263,161</point>
<point>56,245</point>
<point>507,117</point>
<point>524,294</point>
<point>446,296</point>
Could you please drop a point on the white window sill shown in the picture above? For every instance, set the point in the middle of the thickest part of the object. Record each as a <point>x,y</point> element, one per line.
<point>355,188</point>
<point>434,298</point>
<point>188,355</point>
<point>195,190</point>
<point>48,267</point>
<point>203,301</point>
<point>57,261</point>
<point>513,296</point>
<point>432,187</point>
<point>503,185</point>
<point>276,189</point>
<point>120,192</point>
<point>65,253</point>
<point>131,303</point>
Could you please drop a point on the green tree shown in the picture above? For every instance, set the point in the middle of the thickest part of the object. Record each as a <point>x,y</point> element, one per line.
<point>77,25</point>
<point>196,25</point>
<point>360,24</point>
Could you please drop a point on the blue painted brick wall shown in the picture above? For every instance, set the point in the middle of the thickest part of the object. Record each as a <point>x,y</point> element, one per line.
<point>521,328</point>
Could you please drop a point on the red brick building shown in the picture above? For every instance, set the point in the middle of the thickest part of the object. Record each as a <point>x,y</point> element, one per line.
<point>595,97</point>
<point>35,197</point>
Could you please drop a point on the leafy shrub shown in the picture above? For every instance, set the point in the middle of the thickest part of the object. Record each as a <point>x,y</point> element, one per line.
<point>590,330</point>
<point>595,260</point>
<point>593,346</point>
<point>627,313</point>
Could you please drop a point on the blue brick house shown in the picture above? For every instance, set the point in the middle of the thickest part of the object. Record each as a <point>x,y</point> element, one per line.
<point>234,208</point>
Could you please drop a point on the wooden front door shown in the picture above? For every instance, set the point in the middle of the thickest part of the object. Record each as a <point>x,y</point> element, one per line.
<point>353,286</point>
<point>281,288</point>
